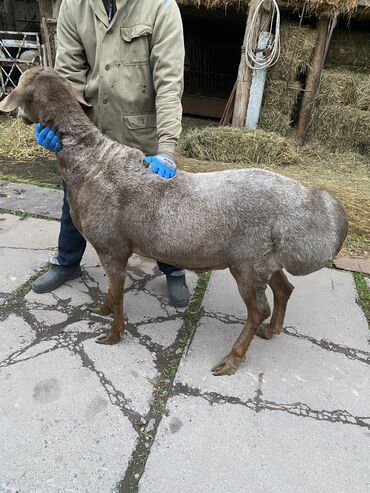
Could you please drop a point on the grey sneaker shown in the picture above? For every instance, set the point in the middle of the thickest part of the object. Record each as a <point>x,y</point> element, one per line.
<point>55,277</point>
<point>178,291</point>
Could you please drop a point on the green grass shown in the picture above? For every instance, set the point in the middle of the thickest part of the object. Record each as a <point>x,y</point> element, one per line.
<point>163,388</point>
<point>15,179</point>
<point>21,213</point>
<point>363,293</point>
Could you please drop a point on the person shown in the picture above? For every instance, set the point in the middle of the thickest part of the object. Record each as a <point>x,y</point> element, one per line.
<point>126,57</point>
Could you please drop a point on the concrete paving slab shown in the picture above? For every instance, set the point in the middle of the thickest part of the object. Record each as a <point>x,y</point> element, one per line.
<point>164,334</point>
<point>31,199</point>
<point>298,399</point>
<point>50,317</point>
<point>206,446</point>
<point>17,266</point>
<point>285,369</point>
<point>129,366</point>
<point>15,334</point>
<point>35,350</point>
<point>323,305</point>
<point>212,341</point>
<point>292,370</point>
<point>353,264</point>
<point>62,431</point>
<point>25,246</point>
<point>28,232</point>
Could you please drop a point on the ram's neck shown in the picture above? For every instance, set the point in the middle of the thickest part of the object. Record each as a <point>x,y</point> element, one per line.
<point>86,152</point>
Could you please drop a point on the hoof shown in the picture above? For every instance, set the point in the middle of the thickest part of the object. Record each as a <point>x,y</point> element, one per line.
<point>227,366</point>
<point>265,331</point>
<point>108,339</point>
<point>99,310</point>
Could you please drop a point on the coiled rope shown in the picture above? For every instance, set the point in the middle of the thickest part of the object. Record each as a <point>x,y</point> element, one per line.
<point>252,58</point>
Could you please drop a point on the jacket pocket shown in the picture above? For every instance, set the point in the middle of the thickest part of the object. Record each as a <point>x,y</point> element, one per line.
<point>137,122</point>
<point>140,131</point>
<point>135,44</point>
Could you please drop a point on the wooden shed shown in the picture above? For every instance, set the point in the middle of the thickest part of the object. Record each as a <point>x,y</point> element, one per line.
<point>216,76</point>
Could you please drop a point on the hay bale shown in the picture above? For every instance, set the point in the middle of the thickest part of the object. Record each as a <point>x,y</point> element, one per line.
<point>313,6</point>
<point>350,49</point>
<point>282,87</point>
<point>17,140</point>
<point>343,87</point>
<point>273,120</point>
<point>212,4</point>
<point>279,100</point>
<point>296,48</point>
<point>342,128</point>
<point>363,102</point>
<point>236,145</point>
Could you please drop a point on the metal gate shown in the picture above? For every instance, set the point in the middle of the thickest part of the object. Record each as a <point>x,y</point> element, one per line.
<point>18,52</point>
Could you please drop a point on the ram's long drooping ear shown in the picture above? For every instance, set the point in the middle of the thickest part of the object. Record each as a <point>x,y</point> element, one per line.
<point>77,95</point>
<point>13,100</point>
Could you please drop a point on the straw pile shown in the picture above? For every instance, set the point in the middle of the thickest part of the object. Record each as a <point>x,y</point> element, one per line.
<point>17,140</point>
<point>336,6</point>
<point>342,127</point>
<point>282,86</point>
<point>238,145</point>
<point>313,6</point>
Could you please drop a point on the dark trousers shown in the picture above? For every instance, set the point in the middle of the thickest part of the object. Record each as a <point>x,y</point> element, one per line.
<point>71,244</point>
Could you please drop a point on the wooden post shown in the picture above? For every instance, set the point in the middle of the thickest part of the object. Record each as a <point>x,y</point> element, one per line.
<point>45,8</point>
<point>313,76</point>
<point>56,7</point>
<point>244,79</point>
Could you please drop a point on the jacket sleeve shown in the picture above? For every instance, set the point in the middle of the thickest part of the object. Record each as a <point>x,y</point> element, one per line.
<point>167,63</point>
<point>70,61</point>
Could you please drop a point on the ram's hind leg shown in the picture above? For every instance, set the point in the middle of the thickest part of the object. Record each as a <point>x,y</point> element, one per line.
<point>252,290</point>
<point>282,290</point>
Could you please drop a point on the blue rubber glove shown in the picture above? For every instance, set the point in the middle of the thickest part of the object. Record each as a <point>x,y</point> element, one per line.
<point>48,137</point>
<point>162,165</point>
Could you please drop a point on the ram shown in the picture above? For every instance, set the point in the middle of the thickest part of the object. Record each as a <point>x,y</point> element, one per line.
<point>254,222</point>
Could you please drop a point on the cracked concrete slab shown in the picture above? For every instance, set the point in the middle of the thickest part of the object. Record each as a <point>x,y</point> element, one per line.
<point>25,246</point>
<point>291,370</point>
<point>62,432</point>
<point>15,334</point>
<point>322,305</point>
<point>206,446</point>
<point>17,266</point>
<point>298,399</point>
<point>129,366</point>
<point>164,334</point>
<point>31,198</point>
<point>212,341</point>
<point>50,317</point>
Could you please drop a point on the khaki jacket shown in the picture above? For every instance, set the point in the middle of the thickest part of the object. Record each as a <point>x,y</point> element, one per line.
<point>130,71</point>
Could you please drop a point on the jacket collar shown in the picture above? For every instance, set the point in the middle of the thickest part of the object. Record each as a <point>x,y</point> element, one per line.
<point>99,10</point>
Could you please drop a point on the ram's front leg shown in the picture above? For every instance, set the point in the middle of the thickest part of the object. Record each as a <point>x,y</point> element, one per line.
<point>114,303</point>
